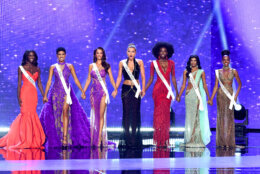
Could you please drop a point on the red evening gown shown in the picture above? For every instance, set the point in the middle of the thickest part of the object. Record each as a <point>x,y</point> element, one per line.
<point>161,118</point>
<point>26,130</point>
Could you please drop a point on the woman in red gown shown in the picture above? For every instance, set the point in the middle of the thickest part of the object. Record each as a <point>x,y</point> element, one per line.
<point>161,120</point>
<point>26,130</point>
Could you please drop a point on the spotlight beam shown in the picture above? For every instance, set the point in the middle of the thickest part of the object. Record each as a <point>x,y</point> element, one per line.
<point>119,20</point>
<point>205,28</point>
<point>221,25</point>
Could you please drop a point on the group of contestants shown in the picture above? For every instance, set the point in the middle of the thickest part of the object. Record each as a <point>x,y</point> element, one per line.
<point>63,122</point>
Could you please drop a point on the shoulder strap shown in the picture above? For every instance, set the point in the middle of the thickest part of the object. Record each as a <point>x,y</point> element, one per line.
<point>27,76</point>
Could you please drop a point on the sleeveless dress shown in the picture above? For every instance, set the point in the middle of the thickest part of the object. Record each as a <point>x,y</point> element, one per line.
<point>225,133</point>
<point>52,119</point>
<point>26,130</point>
<point>131,122</point>
<point>197,130</point>
<point>161,117</point>
<point>96,94</point>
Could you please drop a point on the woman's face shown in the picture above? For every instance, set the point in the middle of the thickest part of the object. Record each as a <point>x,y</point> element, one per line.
<point>31,57</point>
<point>131,52</point>
<point>99,54</point>
<point>61,56</point>
<point>225,61</point>
<point>193,62</point>
<point>163,53</point>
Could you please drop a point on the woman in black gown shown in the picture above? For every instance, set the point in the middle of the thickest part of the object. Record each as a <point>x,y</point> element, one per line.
<point>131,99</point>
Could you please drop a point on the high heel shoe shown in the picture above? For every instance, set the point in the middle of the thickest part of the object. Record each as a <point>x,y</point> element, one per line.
<point>64,142</point>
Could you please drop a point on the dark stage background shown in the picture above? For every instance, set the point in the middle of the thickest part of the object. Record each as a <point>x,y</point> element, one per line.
<point>203,27</point>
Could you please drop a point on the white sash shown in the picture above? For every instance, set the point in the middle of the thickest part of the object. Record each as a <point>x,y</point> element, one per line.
<point>170,93</point>
<point>27,76</point>
<point>195,87</point>
<point>132,78</point>
<point>232,98</point>
<point>95,69</point>
<point>67,90</point>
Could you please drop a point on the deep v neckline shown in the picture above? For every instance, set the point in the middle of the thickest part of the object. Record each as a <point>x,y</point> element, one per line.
<point>32,73</point>
<point>62,70</point>
<point>196,72</point>
<point>129,67</point>
<point>100,68</point>
<point>161,67</point>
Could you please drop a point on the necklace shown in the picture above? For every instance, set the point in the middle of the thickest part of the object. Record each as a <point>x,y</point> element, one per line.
<point>63,63</point>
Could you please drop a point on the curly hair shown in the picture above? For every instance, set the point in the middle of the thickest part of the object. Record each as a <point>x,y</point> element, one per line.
<point>26,55</point>
<point>104,58</point>
<point>159,45</point>
<point>188,67</point>
<point>60,49</point>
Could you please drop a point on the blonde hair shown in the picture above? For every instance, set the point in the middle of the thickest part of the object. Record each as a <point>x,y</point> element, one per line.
<point>131,45</point>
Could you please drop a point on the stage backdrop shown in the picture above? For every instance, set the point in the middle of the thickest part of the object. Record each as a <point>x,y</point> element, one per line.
<point>82,26</point>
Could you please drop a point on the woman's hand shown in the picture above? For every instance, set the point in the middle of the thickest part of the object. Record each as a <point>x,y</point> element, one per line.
<point>83,95</point>
<point>45,99</point>
<point>20,102</point>
<point>178,99</point>
<point>114,93</point>
<point>143,93</point>
<point>210,102</point>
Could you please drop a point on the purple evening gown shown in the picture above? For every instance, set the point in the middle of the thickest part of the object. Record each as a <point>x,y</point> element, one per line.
<point>96,94</point>
<point>51,116</point>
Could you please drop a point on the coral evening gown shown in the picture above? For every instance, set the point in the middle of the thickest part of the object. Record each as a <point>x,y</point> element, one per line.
<point>26,130</point>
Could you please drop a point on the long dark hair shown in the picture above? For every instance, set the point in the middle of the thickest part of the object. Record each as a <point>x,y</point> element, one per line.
<point>188,68</point>
<point>25,57</point>
<point>104,58</point>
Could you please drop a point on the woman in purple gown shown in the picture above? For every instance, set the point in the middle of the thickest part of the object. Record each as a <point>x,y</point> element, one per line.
<point>63,119</point>
<point>99,97</point>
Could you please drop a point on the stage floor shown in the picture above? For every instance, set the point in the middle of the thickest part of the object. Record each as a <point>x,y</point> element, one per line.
<point>147,160</point>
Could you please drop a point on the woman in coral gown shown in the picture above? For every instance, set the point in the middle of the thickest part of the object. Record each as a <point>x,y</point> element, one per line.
<point>162,101</point>
<point>26,130</point>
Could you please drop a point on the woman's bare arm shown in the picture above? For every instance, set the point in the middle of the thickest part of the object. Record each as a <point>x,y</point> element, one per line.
<point>183,86</point>
<point>19,86</point>
<point>119,76</point>
<point>205,84</point>
<point>39,82</point>
<point>88,79</point>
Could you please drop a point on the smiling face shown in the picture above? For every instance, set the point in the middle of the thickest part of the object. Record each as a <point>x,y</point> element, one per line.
<point>193,62</point>
<point>99,54</point>
<point>61,56</point>
<point>131,52</point>
<point>31,57</point>
<point>163,53</point>
<point>226,61</point>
